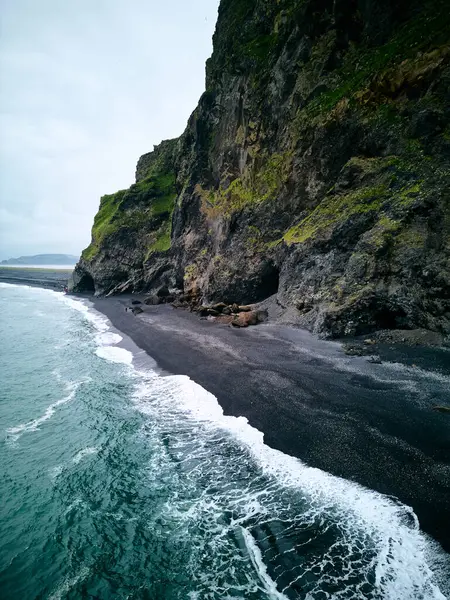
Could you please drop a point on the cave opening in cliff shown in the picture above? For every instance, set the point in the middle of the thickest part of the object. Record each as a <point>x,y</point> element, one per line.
<point>388,318</point>
<point>86,284</point>
<point>270,282</point>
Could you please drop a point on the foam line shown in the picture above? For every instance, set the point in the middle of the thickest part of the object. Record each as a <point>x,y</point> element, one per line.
<point>115,355</point>
<point>269,586</point>
<point>14,433</point>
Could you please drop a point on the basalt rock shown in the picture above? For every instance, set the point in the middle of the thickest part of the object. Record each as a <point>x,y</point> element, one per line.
<point>316,166</point>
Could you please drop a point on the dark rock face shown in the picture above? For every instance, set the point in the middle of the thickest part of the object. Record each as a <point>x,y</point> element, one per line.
<point>315,166</point>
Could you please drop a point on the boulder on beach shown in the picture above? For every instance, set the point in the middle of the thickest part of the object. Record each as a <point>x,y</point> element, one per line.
<point>224,319</point>
<point>219,306</point>
<point>253,317</point>
<point>153,300</point>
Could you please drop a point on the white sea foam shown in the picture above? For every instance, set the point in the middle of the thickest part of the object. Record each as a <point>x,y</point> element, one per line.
<point>14,433</point>
<point>68,583</point>
<point>95,318</point>
<point>115,355</point>
<point>85,452</point>
<point>11,285</point>
<point>405,556</point>
<point>105,339</point>
<point>268,584</point>
<point>55,472</point>
<point>108,338</point>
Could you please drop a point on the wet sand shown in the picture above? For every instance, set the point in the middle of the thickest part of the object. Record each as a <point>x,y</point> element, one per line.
<point>373,424</point>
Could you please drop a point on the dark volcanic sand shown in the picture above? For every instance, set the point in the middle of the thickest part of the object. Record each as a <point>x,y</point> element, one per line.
<point>45,277</point>
<point>373,424</point>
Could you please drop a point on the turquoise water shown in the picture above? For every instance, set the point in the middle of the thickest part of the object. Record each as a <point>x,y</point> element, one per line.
<point>120,482</point>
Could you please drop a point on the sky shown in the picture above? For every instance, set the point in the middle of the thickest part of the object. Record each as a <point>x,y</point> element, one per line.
<point>86,87</point>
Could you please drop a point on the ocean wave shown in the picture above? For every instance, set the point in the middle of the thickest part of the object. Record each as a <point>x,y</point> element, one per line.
<point>85,452</point>
<point>14,433</point>
<point>100,322</point>
<point>11,285</point>
<point>55,472</point>
<point>268,584</point>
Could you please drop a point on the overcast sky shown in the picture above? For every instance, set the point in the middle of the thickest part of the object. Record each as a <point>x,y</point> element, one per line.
<point>87,87</point>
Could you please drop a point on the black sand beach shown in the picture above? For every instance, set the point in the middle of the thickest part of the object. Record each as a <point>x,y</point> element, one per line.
<point>52,278</point>
<point>374,424</point>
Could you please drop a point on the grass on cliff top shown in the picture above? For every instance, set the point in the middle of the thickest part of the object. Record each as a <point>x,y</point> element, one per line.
<point>159,160</point>
<point>142,202</point>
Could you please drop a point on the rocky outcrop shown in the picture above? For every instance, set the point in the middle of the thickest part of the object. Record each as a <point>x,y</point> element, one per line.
<point>315,166</point>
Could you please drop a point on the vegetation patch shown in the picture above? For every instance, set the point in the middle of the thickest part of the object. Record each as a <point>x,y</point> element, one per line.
<point>376,75</point>
<point>411,238</point>
<point>149,201</point>
<point>381,234</point>
<point>249,189</point>
<point>336,209</point>
<point>190,272</point>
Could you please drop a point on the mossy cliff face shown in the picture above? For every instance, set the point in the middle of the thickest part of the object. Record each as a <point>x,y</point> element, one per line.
<point>132,230</point>
<point>315,166</point>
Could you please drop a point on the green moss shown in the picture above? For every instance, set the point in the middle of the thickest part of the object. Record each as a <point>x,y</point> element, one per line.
<point>248,37</point>
<point>150,200</point>
<point>411,238</point>
<point>109,205</point>
<point>382,233</point>
<point>373,166</point>
<point>254,241</point>
<point>190,272</point>
<point>408,194</point>
<point>249,190</point>
<point>335,209</point>
<point>240,136</point>
<point>260,48</point>
<point>160,239</point>
<point>372,74</point>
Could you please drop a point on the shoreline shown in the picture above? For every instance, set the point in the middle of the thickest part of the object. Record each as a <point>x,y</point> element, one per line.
<point>46,277</point>
<point>369,423</point>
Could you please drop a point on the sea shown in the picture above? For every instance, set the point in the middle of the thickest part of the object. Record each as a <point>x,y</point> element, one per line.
<point>120,481</point>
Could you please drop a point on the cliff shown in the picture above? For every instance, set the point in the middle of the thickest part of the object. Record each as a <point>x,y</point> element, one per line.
<point>315,166</point>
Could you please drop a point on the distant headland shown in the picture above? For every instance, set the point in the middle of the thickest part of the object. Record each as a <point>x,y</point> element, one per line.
<point>42,259</point>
